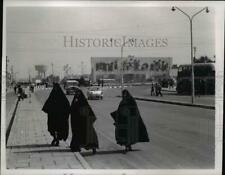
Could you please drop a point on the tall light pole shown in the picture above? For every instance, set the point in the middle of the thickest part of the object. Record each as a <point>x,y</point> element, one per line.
<point>192,59</point>
<point>12,74</point>
<point>122,66</point>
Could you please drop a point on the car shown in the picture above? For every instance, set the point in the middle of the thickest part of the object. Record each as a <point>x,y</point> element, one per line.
<point>94,92</point>
<point>71,86</point>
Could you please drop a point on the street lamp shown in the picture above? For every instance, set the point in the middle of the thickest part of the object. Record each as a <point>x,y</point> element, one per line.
<point>192,59</point>
<point>122,66</point>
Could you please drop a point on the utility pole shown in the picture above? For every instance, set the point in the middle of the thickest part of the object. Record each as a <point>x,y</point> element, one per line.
<point>121,61</point>
<point>195,49</point>
<point>7,76</point>
<point>52,69</point>
<point>29,75</point>
<point>12,74</point>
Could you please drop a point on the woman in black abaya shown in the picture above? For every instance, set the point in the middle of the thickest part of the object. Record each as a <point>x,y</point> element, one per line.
<point>82,120</point>
<point>129,126</point>
<point>58,109</point>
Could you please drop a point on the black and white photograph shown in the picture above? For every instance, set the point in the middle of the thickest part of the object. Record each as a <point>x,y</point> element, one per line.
<point>112,87</point>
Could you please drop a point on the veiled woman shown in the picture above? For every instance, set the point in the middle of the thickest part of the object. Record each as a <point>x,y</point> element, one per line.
<point>82,120</point>
<point>129,126</point>
<point>58,109</point>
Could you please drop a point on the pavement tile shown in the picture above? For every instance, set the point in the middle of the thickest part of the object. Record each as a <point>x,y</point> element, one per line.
<point>29,141</point>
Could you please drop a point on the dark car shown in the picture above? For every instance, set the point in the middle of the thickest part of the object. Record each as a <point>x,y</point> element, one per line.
<point>71,86</point>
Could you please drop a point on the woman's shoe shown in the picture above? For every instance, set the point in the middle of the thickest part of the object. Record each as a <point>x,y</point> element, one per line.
<point>126,149</point>
<point>94,150</point>
<point>53,142</point>
<point>129,148</point>
<point>75,149</point>
<point>57,143</point>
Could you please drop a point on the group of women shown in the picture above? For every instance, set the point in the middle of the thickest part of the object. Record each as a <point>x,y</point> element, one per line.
<point>129,127</point>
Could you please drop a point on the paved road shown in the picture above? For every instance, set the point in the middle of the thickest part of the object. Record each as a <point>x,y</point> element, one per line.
<point>180,136</point>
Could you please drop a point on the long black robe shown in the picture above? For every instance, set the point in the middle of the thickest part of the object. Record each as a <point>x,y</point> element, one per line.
<point>82,120</point>
<point>57,107</point>
<point>129,126</point>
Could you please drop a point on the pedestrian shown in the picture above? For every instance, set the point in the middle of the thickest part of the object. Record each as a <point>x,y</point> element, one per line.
<point>129,126</point>
<point>58,109</point>
<point>20,93</point>
<point>31,88</point>
<point>82,120</point>
<point>152,89</point>
<point>158,89</point>
<point>15,88</point>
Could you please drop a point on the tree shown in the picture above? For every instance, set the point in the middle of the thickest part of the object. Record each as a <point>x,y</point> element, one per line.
<point>203,59</point>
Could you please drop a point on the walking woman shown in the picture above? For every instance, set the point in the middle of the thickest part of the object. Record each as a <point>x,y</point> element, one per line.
<point>129,127</point>
<point>58,109</point>
<point>82,120</point>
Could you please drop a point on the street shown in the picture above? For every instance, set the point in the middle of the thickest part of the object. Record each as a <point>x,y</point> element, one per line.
<point>180,136</point>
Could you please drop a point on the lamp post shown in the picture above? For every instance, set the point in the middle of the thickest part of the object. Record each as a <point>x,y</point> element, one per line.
<point>122,66</point>
<point>192,59</point>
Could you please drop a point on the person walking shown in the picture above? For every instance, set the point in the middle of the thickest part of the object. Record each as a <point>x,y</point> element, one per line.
<point>57,107</point>
<point>152,89</point>
<point>15,88</point>
<point>20,92</point>
<point>82,120</point>
<point>129,126</point>
<point>158,89</point>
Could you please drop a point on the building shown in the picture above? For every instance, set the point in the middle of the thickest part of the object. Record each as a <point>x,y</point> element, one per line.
<point>174,71</point>
<point>135,69</point>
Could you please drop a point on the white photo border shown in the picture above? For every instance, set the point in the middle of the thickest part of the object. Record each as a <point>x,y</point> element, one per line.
<point>219,32</point>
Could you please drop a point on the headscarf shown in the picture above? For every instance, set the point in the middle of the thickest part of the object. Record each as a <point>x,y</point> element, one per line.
<point>80,101</point>
<point>57,101</point>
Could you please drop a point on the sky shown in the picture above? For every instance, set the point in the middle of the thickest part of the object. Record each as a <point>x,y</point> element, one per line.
<point>35,35</point>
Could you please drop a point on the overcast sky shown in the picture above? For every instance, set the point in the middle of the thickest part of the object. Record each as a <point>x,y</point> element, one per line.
<point>35,35</point>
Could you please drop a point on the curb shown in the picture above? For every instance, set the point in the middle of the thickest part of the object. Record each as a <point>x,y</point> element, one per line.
<point>175,103</point>
<point>79,157</point>
<point>9,127</point>
<point>167,90</point>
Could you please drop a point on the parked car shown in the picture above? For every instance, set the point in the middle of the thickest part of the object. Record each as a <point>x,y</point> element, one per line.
<point>94,92</point>
<point>71,86</point>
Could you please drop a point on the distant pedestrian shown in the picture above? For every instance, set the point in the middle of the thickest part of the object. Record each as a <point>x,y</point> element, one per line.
<point>20,93</point>
<point>82,120</point>
<point>58,108</point>
<point>31,88</point>
<point>15,88</point>
<point>158,89</point>
<point>129,126</point>
<point>152,89</point>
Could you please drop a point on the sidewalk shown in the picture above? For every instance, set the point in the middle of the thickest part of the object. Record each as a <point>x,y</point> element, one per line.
<point>178,101</point>
<point>171,97</point>
<point>29,142</point>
